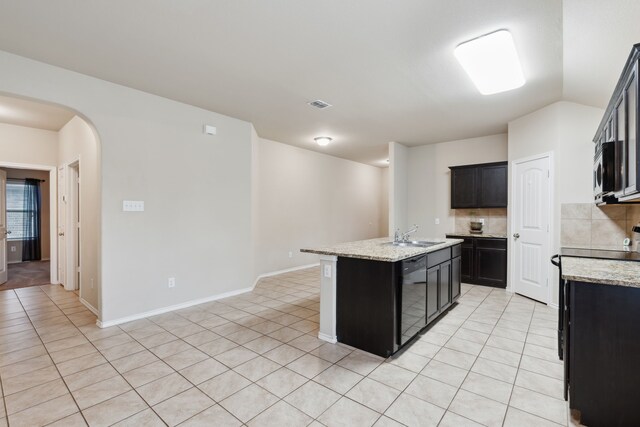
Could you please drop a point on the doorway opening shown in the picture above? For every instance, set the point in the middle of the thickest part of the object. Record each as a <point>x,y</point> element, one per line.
<point>42,136</point>
<point>28,216</point>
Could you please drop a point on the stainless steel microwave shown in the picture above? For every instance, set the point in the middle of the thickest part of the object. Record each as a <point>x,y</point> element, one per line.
<point>604,171</point>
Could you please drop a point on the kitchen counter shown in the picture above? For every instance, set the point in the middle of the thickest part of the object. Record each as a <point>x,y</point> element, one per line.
<point>377,250</point>
<point>480,236</point>
<point>601,271</point>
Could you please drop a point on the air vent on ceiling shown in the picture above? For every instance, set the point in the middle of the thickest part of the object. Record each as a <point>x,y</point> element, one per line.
<point>318,103</point>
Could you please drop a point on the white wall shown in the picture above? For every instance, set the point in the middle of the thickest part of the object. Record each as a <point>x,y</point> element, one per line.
<point>196,188</point>
<point>307,199</point>
<point>429,178</point>
<point>398,186</point>
<point>567,130</point>
<point>77,142</point>
<point>384,202</point>
<point>19,144</point>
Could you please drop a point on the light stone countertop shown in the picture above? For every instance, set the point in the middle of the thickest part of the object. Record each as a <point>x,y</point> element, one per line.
<point>601,271</point>
<point>376,250</point>
<point>485,235</point>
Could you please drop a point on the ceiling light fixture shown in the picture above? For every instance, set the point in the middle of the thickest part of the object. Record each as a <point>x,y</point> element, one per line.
<point>492,62</point>
<point>323,140</point>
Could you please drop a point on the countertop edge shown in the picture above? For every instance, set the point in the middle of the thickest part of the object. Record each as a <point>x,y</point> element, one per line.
<point>601,272</point>
<point>415,251</point>
<point>478,236</point>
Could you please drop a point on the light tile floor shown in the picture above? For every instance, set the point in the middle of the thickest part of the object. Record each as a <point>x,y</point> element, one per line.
<point>255,360</point>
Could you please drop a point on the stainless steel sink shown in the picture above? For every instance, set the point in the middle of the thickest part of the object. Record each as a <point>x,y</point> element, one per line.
<point>412,244</point>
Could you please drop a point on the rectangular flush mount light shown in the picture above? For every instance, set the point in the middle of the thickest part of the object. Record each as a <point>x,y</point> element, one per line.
<point>492,62</point>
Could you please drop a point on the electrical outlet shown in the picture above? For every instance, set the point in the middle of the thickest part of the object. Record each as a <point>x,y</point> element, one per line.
<point>172,282</point>
<point>13,248</point>
<point>91,283</point>
<point>437,221</point>
<point>481,221</point>
<point>290,254</point>
<point>327,271</point>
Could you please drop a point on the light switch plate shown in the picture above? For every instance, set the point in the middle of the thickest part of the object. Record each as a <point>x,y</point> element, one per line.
<point>133,205</point>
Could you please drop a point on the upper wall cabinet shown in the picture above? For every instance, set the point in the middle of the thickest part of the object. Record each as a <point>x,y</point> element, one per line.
<point>619,129</point>
<point>479,186</point>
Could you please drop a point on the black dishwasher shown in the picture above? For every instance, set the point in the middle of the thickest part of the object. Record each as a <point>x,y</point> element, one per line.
<point>413,294</point>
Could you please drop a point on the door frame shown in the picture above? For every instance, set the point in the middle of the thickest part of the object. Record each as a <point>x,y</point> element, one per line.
<point>53,211</point>
<point>72,250</point>
<point>551,216</point>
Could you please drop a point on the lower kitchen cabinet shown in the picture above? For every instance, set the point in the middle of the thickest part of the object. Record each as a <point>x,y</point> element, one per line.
<point>484,260</point>
<point>601,347</point>
<point>381,306</point>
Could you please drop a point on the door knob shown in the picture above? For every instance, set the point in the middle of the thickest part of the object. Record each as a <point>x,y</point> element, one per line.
<point>516,235</point>
<point>60,234</point>
<point>7,232</point>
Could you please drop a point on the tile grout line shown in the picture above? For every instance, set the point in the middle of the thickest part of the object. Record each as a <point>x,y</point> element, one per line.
<point>476,357</point>
<point>52,361</point>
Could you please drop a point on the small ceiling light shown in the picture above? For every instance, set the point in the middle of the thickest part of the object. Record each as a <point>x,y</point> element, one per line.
<point>323,140</point>
<point>492,62</point>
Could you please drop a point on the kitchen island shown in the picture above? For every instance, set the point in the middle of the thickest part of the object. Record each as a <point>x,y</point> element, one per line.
<point>601,339</point>
<point>377,296</point>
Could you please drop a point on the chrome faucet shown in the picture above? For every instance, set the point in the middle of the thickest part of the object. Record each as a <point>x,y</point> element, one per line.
<point>402,237</point>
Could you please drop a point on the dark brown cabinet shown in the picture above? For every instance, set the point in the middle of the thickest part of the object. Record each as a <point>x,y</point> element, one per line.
<point>479,186</point>
<point>464,185</point>
<point>619,127</point>
<point>381,306</point>
<point>484,261</point>
<point>601,346</point>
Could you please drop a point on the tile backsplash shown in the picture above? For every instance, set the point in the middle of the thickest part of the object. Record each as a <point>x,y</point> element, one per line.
<point>589,226</point>
<point>495,220</point>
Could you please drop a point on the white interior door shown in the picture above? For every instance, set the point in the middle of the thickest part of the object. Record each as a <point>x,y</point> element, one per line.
<point>62,218</point>
<point>531,215</point>
<point>4,275</point>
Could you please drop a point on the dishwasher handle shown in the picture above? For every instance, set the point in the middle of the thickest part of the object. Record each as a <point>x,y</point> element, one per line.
<point>555,260</point>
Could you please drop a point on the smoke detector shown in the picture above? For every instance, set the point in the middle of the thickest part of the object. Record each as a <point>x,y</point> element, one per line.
<point>320,104</point>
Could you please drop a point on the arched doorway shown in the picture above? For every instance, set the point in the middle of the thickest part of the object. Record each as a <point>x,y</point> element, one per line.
<point>36,136</point>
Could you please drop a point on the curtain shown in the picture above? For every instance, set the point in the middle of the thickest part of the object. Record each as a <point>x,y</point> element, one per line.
<point>31,224</point>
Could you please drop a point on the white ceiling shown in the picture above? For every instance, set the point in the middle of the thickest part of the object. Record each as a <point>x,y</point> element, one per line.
<point>387,67</point>
<point>22,112</point>
<point>598,36</point>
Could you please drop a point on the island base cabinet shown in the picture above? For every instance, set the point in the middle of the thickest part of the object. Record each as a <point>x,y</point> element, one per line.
<point>366,299</point>
<point>433,286</point>
<point>604,344</point>
<point>381,306</point>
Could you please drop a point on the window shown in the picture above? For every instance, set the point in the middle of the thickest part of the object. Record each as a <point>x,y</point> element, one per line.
<point>17,215</point>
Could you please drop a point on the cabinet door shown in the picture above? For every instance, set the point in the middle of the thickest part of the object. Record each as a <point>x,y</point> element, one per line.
<point>493,186</point>
<point>631,101</point>
<point>455,278</point>
<point>464,188</point>
<point>491,266</point>
<point>467,262</point>
<point>445,285</point>
<point>433,279</point>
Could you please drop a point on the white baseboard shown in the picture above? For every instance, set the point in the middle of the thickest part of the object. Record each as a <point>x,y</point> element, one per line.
<point>90,307</point>
<point>552,305</point>
<point>286,270</point>
<point>191,303</point>
<point>327,338</point>
<point>163,310</point>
